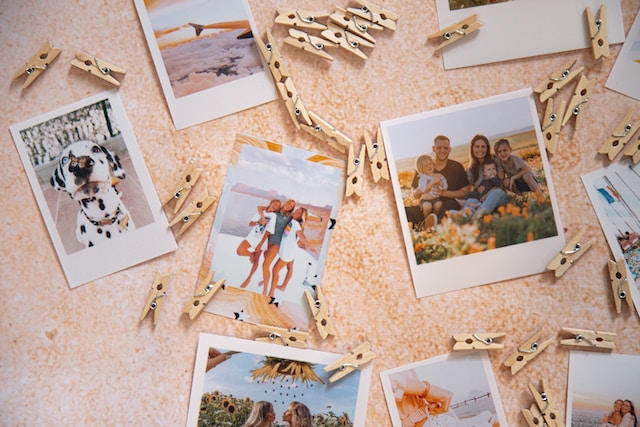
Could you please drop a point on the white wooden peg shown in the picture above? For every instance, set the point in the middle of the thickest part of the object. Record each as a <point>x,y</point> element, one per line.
<point>156,297</point>
<point>579,100</point>
<point>557,80</point>
<point>456,31</point>
<point>375,14</point>
<point>526,352</point>
<point>320,313</point>
<point>589,339</point>
<point>37,63</point>
<point>552,125</point>
<point>598,32</point>
<point>350,362</point>
<point>184,186</point>
<point>620,284</point>
<point>355,172</point>
<point>377,156</point>
<point>620,136</point>
<point>193,211</point>
<point>97,67</point>
<point>284,337</point>
<point>570,253</point>
<point>202,295</point>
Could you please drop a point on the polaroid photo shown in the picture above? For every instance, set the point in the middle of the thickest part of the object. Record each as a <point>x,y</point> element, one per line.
<point>625,74</point>
<point>271,232</point>
<point>614,192</point>
<point>453,390</point>
<point>236,380</point>
<point>92,187</point>
<point>603,389</point>
<point>206,58</point>
<point>522,28</point>
<point>474,194</point>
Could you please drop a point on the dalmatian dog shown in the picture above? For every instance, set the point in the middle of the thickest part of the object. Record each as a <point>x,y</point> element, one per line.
<point>88,172</point>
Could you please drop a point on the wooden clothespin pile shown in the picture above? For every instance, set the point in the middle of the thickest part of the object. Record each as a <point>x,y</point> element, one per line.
<point>543,411</point>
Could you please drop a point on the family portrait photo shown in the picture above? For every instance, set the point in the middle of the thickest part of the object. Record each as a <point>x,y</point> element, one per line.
<point>450,390</point>
<point>271,231</point>
<point>601,390</point>
<point>472,183</point>
<point>241,383</point>
<point>91,183</point>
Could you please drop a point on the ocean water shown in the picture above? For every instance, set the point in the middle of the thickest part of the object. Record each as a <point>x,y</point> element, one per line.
<point>585,418</point>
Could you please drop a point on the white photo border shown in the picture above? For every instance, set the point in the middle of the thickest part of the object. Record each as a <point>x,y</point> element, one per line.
<point>624,74</point>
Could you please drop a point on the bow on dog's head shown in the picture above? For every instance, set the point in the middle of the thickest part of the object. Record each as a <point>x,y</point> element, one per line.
<point>84,164</point>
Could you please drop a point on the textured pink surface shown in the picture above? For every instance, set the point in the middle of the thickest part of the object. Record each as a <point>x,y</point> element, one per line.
<point>82,358</point>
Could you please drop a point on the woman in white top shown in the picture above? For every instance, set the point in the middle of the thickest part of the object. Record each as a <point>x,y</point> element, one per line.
<point>292,237</point>
<point>628,415</point>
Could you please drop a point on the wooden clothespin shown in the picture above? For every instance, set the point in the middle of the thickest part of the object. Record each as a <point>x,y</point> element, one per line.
<point>320,312</point>
<point>271,55</point>
<point>301,18</point>
<point>326,132</point>
<point>533,416</point>
<point>569,254</point>
<point>546,409</point>
<point>350,362</point>
<point>293,102</point>
<point>375,14</point>
<point>97,67</point>
<point>377,156</point>
<point>589,339</point>
<point>526,352</point>
<point>351,23</point>
<point>309,43</point>
<point>37,63</point>
<point>620,284</point>
<point>202,296</point>
<point>580,96</point>
<point>183,188</point>
<point>552,124</point>
<point>478,341</point>
<point>456,31</point>
<point>346,40</point>
<point>156,297</point>
<point>620,136</point>
<point>284,337</point>
<point>598,32</point>
<point>192,212</point>
<point>557,80</point>
<point>633,150</point>
<point>355,172</point>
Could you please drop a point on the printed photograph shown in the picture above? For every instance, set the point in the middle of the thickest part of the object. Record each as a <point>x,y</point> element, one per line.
<point>601,391</point>
<point>451,390</point>
<point>625,74</point>
<point>86,171</point>
<point>470,181</point>
<point>614,192</point>
<point>246,383</point>
<point>271,231</point>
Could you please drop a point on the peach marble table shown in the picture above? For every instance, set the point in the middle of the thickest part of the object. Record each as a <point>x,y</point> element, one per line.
<point>80,357</point>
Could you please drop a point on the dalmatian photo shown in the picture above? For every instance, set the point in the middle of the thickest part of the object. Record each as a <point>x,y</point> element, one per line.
<point>88,173</point>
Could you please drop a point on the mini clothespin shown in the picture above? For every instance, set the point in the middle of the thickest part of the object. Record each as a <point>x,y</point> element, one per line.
<point>620,284</point>
<point>350,362</point>
<point>376,14</point>
<point>192,212</point>
<point>202,296</point>
<point>377,156</point>
<point>589,339</point>
<point>620,136</point>
<point>571,252</point>
<point>552,124</point>
<point>545,410</point>
<point>284,337</point>
<point>37,63</point>
<point>598,32</point>
<point>456,31</point>
<point>351,23</point>
<point>293,102</point>
<point>183,188</point>
<point>301,18</point>
<point>156,297</point>
<point>526,352</point>
<point>355,172</point>
<point>97,67</point>
<point>633,150</point>
<point>271,55</point>
<point>557,80</point>
<point>478,341</point>
<point>309,43</point>
<point>346,40</point>
<point>320,312</point>
<point>325,131</point>
<point>580,96</point>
